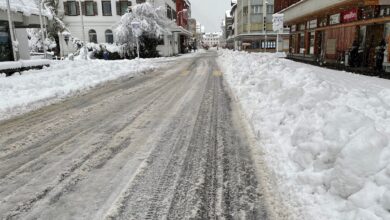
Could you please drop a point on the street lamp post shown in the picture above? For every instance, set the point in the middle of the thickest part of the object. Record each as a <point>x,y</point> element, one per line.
<point>265,2</point>
<point>83,30</point>
<point>42,28</point>
<point>136,28</point>
<point>11,31</point>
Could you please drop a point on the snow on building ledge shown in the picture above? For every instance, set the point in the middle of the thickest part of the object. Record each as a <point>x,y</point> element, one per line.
<point>305,7</point>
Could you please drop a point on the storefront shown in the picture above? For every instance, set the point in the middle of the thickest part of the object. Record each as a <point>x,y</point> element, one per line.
<point>5,43</point>
<point>259,42</point>
<point>343,34</point>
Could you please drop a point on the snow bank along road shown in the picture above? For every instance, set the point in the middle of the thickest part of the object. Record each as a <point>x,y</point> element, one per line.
<point>162,145</point>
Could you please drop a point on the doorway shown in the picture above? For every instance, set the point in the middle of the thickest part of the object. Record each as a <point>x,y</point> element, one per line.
<point>5,43</point>
<point>373,37</point>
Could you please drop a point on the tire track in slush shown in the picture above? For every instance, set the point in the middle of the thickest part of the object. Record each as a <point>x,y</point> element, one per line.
<point>197,178</point>
<point>27,205</point>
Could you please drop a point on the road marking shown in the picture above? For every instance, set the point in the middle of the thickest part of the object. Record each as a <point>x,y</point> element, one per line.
<point>185,73</point>
<point>217,73</point>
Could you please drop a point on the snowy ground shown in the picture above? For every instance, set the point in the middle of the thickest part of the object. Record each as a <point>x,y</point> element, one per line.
<point>325,134</point>
<point>36,88</point>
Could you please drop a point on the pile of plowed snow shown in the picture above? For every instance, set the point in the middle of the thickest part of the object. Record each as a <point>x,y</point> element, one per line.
<point>325,134</point>
<point>35,88</point>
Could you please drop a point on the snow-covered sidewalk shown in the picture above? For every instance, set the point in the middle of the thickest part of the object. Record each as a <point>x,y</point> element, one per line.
<point>325,134</point>
<point>36,88</point>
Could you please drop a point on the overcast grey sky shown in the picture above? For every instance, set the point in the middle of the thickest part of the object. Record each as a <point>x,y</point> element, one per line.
<point>210,13</point>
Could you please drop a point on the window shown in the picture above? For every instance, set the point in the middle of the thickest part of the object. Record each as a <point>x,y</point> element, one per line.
<point>106,8</point>
<point>109,37</point>
<point>270,9</point>
<point>268,44</point>
<point>174,14</point>
<point>245,10</point>
<point>89,8</point>
<point>140,1</point>
<point>122,7</point>
<point>169,12</point>
<point>256,9</point>
<point>92,36</point>
<point>71,8</point>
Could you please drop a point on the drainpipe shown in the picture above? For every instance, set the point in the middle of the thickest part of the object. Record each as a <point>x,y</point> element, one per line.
<point>11,31</point>
<point>83,30</point>
<point>265,2</point>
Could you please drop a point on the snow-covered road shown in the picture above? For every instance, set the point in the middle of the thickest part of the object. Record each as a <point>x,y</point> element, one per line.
<point>166,145</point>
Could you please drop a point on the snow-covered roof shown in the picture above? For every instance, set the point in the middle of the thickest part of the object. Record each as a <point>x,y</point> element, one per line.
<point>27,7</point>
<point>234,1</point>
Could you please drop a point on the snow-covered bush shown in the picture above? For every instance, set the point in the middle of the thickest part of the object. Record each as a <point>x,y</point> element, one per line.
<point>35,42</point>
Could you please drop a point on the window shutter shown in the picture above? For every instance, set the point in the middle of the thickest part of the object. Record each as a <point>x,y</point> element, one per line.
<point>95,9</point>
<point>66,8</point>
<point>77,8</point>
<point>118,8</point>
<point>83,8</point>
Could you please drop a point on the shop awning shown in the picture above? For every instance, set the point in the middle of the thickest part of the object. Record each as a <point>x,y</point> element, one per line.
<point>181,31</point>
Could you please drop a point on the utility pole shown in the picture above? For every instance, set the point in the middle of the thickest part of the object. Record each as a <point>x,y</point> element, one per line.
<point>11,31</point>
<point>265,2</point>
<point>83,30</point>
<point>42,28</point>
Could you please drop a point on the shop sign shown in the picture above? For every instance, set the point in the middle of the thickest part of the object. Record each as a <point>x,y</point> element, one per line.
<point>277,22</point>
<point>334,19</point>
<point>350,15</point>
<point>312,24</point>
<point>294,28</point>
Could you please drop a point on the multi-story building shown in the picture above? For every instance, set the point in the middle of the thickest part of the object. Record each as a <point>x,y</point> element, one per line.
<point>228,25</point>
<point>252,26</point>
<point>282,4</point>
<point>199,34</point>
<point>101,16</point>
<point>183,14</point>
<point>212,39</point>
<point>347,32</point>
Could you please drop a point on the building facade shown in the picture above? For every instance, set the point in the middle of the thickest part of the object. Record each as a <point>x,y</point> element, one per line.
<point>350,32</point>
<point>183,15</point>
<point>101,16</point>
<point>252,26</point>
<point>282,4</point>
<point>184,12</point>
<point>22,17</point>
<point>228,28</point>
<point>212,39</point>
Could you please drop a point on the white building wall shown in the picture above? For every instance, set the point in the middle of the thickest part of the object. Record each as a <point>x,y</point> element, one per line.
<point>102,23</point>
<point>21,37</point>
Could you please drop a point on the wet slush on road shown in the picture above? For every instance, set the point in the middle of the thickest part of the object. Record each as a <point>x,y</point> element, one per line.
<point>161,146</point>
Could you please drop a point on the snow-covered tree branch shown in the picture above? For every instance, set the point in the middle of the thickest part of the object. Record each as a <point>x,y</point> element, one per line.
<point>153,24</point>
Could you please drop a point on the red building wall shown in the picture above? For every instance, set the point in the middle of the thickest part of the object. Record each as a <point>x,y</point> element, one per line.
<point>282,4</point>
<point>182,18</point>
